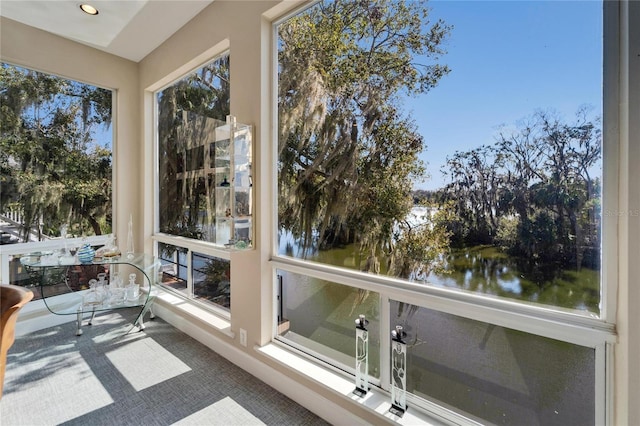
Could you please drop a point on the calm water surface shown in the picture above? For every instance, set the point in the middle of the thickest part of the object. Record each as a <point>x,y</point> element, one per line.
<point>500,375</point>
<point>487,270</point>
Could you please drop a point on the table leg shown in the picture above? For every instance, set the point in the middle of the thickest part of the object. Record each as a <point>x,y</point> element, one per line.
<point>140,322</point>
<point>79,321</point>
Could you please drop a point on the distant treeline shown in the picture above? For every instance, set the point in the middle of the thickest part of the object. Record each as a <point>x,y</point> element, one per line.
<point>535,192</point>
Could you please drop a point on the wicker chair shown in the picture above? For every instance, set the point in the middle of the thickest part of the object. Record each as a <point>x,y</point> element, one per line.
<point>12,299</point>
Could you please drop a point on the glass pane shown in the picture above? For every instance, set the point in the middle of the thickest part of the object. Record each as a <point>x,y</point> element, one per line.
<point>320,316</point>
<point>55,157</point>
<point>173,272</point>
<point>191,165</point>
<point>500,375</point>
<point>243,202</point>
<point>195,158</point>
<point>469,158</point>
<point>21,275</point>
<point>55,280</point>
<point>212,279</point>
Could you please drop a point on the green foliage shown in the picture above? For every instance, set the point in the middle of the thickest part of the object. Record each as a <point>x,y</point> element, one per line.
<point>476,188</point>
<point>348,155</point>
<point>52,168</point>
<point>203,94</point>
<point>420,250</point>
<point>507,233</point>
<point>532,192</point>
<point>217,285</point>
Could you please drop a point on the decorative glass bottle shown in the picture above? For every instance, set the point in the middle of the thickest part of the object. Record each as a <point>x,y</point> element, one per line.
<point>132,290</point>
<point>130,239</point>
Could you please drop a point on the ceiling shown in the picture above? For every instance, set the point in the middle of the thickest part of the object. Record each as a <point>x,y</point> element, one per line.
<point>127,28</point>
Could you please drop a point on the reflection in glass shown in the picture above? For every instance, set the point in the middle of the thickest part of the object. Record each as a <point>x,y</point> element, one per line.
<point>494,373</point>
<point>212,279</point>
<point>189,113</point>
<point>319,315</point>
<point>173,272</point>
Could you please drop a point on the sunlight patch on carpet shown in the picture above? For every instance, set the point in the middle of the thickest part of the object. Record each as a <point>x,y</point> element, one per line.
<point>225,412</point>
<point>145,363</point>
<point>62,387</point>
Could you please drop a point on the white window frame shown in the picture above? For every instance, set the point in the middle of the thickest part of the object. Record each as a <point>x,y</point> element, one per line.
<point>191,245</point>
<point>597,332</point>
<point>11,250</point>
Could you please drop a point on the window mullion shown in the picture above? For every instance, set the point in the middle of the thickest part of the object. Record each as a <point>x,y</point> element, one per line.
<point>385,342</point>
<point>189,274</point>
<point>604,384</point>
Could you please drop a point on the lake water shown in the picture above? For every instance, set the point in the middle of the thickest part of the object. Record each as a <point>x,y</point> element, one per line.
<point>500,375</point>
<point>487,270</point>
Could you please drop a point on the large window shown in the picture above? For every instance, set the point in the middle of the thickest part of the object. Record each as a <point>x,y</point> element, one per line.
<point>439,166</point>
<point>56,166</point>
<point>191,112</point>
<point>55,156</point>
<point>318,315</point>
<point>450,144</point>
<point>494,373</point>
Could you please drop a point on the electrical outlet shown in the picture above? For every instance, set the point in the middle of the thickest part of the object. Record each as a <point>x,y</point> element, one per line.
<point>243,337</point>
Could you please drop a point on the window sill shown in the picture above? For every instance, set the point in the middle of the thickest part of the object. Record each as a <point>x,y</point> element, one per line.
<point>375,400</point>
<point>203,326</point>
<point>192,313</point>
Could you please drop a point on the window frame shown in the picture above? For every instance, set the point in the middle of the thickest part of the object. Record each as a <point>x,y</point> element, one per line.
<point>190,245</point>
<point>610,179</point>
<point>113,141</point>
<point>584,329</point>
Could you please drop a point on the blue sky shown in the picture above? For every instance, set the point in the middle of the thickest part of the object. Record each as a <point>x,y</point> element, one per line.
<point>508,59</point>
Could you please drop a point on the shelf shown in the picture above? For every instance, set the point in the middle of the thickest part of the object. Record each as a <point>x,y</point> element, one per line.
<point>232,154</point>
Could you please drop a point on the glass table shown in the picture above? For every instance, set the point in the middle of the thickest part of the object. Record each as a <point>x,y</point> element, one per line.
<point>104,284</point>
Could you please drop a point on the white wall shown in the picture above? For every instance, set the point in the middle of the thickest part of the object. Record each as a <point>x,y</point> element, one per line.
<point>237,27</point>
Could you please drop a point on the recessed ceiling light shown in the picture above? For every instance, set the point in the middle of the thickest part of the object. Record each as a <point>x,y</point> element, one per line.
<point>87,8</point>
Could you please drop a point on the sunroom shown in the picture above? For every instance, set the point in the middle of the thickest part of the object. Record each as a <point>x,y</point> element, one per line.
<point>483,352</point>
